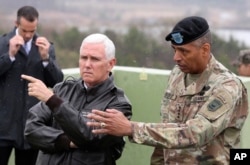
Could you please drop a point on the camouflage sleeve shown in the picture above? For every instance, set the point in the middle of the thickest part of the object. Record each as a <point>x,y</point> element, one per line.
<point>224,108</point>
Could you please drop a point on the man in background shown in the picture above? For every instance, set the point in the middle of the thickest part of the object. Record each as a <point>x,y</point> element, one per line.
<point>22,51</point>
<point>243,63</point>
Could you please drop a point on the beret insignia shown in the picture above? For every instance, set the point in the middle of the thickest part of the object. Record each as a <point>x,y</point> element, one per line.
<point>177,37</point>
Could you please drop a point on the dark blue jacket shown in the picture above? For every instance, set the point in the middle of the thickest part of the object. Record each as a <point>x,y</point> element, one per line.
<point>14,99</point>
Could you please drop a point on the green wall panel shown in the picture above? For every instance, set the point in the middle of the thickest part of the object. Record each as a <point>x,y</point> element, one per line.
<point>145,92</point>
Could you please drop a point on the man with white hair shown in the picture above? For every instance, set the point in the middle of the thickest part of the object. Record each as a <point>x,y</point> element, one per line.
<point>57,125</point>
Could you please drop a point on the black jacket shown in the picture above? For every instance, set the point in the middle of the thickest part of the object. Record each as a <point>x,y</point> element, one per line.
<point>50,130</point>
<point>14,99</point>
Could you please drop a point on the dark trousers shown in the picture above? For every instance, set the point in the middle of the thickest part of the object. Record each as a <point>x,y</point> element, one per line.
<point>22,157</point>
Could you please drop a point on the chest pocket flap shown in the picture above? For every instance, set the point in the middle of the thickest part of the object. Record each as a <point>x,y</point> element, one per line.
<point>216,106</point>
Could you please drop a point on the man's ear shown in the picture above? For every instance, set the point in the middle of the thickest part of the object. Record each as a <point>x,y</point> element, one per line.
<point>112,63</point>
<point>206,49</point>
<point>16,23</point>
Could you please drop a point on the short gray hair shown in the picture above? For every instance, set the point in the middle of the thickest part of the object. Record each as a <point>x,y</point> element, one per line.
<point>206,38</point>
<point>101,38</point>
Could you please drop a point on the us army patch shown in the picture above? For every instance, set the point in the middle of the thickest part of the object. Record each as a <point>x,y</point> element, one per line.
<point>214,105</point>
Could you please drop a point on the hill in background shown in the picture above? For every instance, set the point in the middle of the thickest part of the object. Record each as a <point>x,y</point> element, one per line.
<point>120,13</point>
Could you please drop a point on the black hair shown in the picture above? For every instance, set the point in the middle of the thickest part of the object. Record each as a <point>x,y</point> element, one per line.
<point>28,12</point>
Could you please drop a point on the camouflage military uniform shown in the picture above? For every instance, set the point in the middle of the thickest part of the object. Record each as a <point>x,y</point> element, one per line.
<point>201,122</point>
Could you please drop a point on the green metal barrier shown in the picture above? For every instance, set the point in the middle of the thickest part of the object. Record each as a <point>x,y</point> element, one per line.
<point>145,91</point>
<point>245,142</point>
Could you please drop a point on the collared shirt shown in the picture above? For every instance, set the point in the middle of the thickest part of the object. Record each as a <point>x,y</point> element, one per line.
<point>27,44</point>
<point>27,48</point>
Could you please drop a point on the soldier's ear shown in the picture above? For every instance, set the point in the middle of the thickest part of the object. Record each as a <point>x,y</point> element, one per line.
<point>206,49</point>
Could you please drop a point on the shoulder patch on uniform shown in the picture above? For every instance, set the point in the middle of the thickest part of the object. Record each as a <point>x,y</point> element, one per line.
<point>214,105</point>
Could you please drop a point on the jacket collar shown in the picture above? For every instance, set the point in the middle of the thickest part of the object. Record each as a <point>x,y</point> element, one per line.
<point>100,89</point>
<point>13,33</point>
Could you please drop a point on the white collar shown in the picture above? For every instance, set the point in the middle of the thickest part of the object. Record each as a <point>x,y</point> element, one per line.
<point>29,42</point>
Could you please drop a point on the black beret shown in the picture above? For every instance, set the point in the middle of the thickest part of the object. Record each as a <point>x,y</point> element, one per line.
<point>188,30</point>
